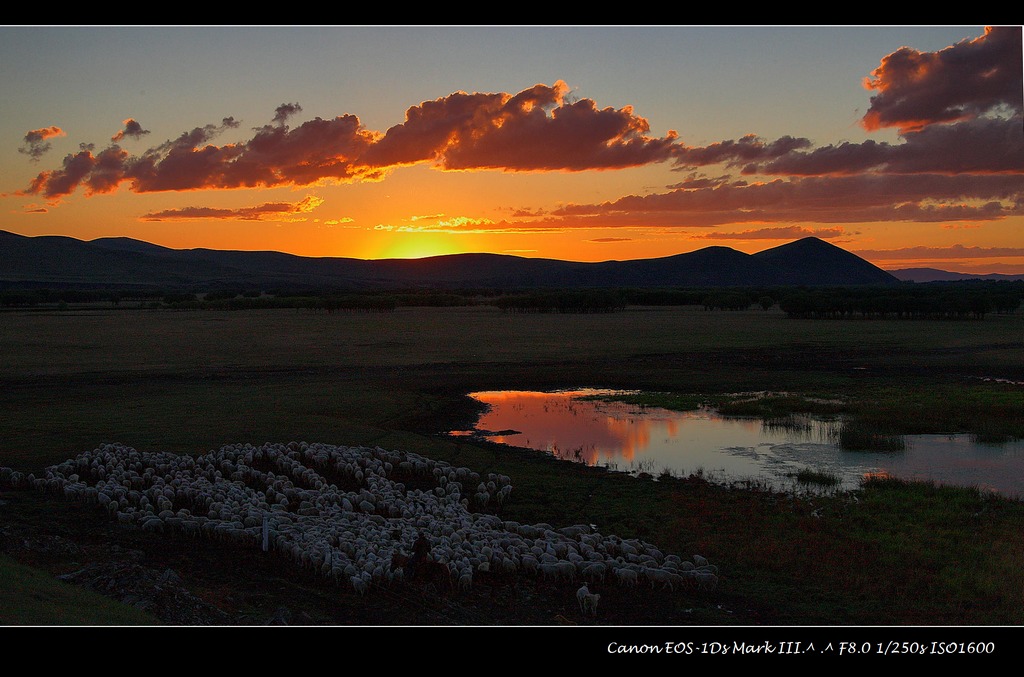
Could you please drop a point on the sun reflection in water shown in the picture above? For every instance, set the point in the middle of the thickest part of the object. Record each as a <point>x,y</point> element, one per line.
<point>656,441</point>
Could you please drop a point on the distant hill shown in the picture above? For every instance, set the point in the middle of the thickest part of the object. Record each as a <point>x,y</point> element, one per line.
<point>812,261</point>
<point>54,261</point>
<point>935,275</point>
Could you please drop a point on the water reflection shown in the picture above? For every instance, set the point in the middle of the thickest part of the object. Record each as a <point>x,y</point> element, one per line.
<point>645,439</point>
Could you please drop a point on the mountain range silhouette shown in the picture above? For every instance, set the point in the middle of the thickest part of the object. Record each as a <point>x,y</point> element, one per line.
<point>65,262</point>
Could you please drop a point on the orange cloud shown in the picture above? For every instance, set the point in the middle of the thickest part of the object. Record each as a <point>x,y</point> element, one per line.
<point>36,143</point>
<point>275,156</point>
<point>829,199</point>
<point>258,213</point>
<point>960,82</point>
<point>131,129</point>
<point>967,169</point>
<point>780,233</point>
<point>534,130</point>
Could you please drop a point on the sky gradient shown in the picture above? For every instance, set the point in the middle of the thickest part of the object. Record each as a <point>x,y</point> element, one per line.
<point>904,145</point>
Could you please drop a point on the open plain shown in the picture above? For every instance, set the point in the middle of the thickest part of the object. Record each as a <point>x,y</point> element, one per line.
<point>189,382</point>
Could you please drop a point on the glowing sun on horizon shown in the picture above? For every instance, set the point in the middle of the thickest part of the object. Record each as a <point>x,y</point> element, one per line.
<point>417,246</point>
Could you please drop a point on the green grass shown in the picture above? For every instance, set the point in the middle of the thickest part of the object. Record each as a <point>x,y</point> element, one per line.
<point>31,596</point>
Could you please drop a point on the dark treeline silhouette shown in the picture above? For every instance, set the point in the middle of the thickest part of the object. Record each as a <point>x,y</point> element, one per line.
<point>952,300</point>
<point>934,300</point>
<point>585,301</point>
<point>12,298</point>
<point>727,300</point>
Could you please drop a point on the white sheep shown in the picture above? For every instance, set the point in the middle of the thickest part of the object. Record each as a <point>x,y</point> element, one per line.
<point>359,585</point>
<point>332,531</point>
<point>581,594</point>
<point>626,577</point>
<point>588,601</point>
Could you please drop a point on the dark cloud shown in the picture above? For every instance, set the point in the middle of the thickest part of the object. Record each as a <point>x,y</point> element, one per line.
<point>35,141</point>
<point>957,251</point>
<point>132,129</point>
<point>778,233</point>
<point>963,81</point>
<point>962,161</point>
<point>63,181</point>
<point>257,213</point>
<point>827,199</point>
<point>694,182</point>
<point>750,148</point>
<point>976,84</point>
<point>285,111</point>
<point>981,145</point>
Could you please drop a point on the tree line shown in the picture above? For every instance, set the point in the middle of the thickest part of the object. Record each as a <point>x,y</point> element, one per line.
<point>928,301</point>
<point>934,300</point>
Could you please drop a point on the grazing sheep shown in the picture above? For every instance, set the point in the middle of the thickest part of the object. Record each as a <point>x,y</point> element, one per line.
<point>662,576</point>
<point>581,594</point>
<point>706,581</point>
<point>566,570</point>
<point>588,601</point>
<point>594,572</point>
<point>549,572</point>
<point>352,533</point>
<point>359,585</point>
<point>626,577</point>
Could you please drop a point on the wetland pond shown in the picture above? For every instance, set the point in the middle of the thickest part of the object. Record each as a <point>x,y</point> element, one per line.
<point>727,450</point>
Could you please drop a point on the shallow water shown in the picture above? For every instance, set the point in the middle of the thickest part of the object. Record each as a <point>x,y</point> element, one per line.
<point>646,439</point>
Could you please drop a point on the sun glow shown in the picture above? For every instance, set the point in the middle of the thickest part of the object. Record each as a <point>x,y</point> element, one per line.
<point>418,246</point>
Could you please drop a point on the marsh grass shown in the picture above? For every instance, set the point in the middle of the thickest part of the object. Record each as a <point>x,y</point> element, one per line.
<point>875,419</point>
<point>778,407</point>
<point>854,436</point>
<point>987,409</point>
<point>663,400</point>
<point>817,477</point>
<point>791,423</point>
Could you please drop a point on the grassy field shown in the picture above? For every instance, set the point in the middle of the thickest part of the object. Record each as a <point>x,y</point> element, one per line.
<point>31,597</point>
<point>892,553</point>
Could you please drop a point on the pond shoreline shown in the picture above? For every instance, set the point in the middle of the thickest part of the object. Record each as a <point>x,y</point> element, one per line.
<point>593,426</point>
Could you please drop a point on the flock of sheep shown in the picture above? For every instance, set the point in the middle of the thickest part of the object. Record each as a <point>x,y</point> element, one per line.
<point>342,512</point>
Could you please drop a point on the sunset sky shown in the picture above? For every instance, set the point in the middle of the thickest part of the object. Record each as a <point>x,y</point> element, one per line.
<point>904,145</point>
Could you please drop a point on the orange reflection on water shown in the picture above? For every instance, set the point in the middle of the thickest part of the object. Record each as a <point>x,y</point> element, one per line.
<point>587,432</point>
<point>877,475</point>
<point>632,438</point>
